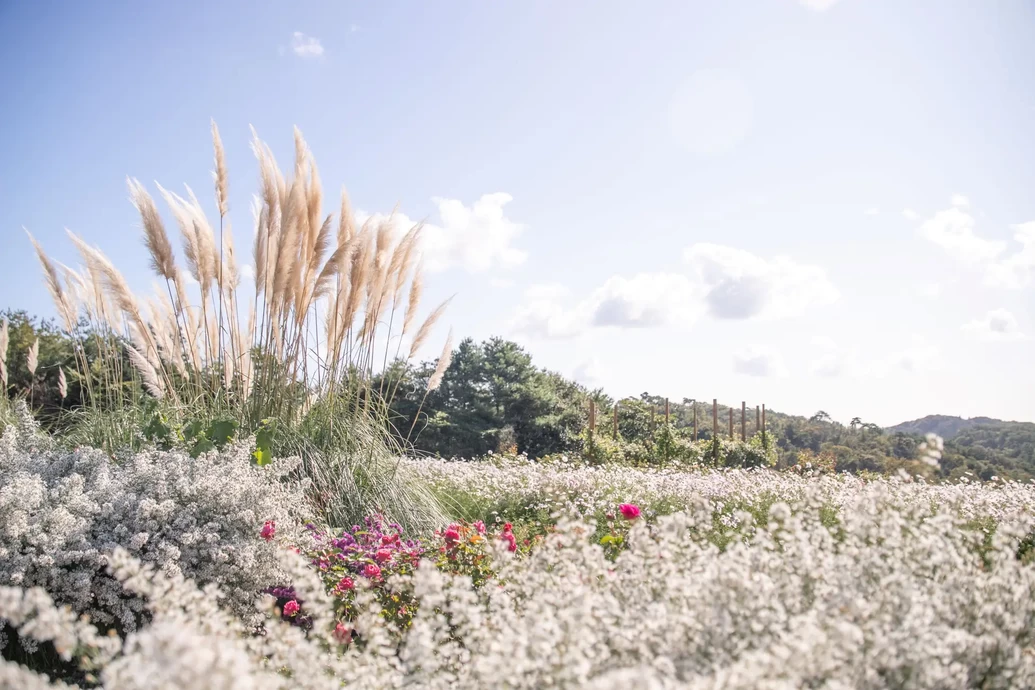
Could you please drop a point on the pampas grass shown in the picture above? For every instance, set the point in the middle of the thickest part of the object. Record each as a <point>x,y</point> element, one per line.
<point>303,343</point>
<point>4,341</point>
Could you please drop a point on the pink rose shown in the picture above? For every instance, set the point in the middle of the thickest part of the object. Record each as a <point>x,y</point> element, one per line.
<point>370,570</point>
<point>291,608</point>
<point>383,555</point>
<point>342,634</point>
<point>346,584</point>
<point>629,511</point>
<point>508,536</point>
<point>269,530</point>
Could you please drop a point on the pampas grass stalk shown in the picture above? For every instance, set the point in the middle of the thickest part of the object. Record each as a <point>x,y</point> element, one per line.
<point>4,341</point>
<point>324,300</point>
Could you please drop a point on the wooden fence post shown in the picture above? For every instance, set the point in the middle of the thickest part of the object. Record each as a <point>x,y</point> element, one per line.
<point>743,422</point>
<point>666,411</point>
<point>764,442</point>
<point>715,418</point>
<point>758,419</point>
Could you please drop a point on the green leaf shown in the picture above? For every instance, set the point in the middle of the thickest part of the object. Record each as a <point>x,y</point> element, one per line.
<point>221,432</point>
<point>192,430</point>
<point>263,453</point>
<point>261,457</point>
<point>608,539</point>
<point>202,446</point>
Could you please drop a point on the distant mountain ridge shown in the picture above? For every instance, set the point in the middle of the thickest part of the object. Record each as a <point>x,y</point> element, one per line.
<point>948,427</point>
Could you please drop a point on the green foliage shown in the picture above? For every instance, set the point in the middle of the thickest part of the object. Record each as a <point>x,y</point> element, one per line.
<point>40,389</point>
<point>491,399</point>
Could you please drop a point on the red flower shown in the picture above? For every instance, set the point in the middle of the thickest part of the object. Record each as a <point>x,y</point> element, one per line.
<point>291,608</point>
<point>269,530</point>
<point>370,570</point>
<point>629,511</point>
<point>452,535</point>
<point>345,584</point>
<point>383,555</point>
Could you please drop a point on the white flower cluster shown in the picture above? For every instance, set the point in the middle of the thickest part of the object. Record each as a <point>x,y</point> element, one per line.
<point>570,487</point>
<point>899,592</point>
<point>63,513</point>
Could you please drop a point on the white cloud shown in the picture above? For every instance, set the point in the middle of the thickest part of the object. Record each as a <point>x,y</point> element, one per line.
<point>501,283</point>
<point>247,272</point>
<point>724,282</point>
<point>641,301</point>
<point>1018,269</point>
<point>953,229</point>
<point>741,285</point>
<point>306,46</point>
<point>997,325</point>
<point>873,211</point>
<point>910,215</point>
<point>759,361</point>
<point>918,357</point>
<point>542,315</point>
<point>588,372</point>
<point>818,5</point>
<point>833,361</point>
<point>960,201</point>
<point>476,237</point>
<point>644,300</point>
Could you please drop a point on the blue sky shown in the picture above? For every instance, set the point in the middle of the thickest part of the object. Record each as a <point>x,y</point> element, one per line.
<point>811,204</point>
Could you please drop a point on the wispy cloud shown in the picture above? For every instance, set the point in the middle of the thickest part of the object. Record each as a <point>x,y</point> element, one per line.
<point>306,46</point>
<point>760,362</point>
<point>998,325</point>
<point>723,282</point>
<point>872,212</point>
<point>954,230</point>
<point>588,372</point>
<point>910,215</point>
<point>831,360</point>
<point>477,238</point>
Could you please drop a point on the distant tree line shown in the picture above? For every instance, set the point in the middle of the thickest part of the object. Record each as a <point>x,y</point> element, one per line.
<point>492,398</point>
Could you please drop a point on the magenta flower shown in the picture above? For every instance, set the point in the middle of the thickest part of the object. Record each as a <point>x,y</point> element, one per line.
<point>479,526</point>
<point>345,584</point>
<point>370,570</point>
<point>269,530</point>
<point>291,608</point>
<point>452,536</point>
<point>383,555</point>
<point>629,511</point>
